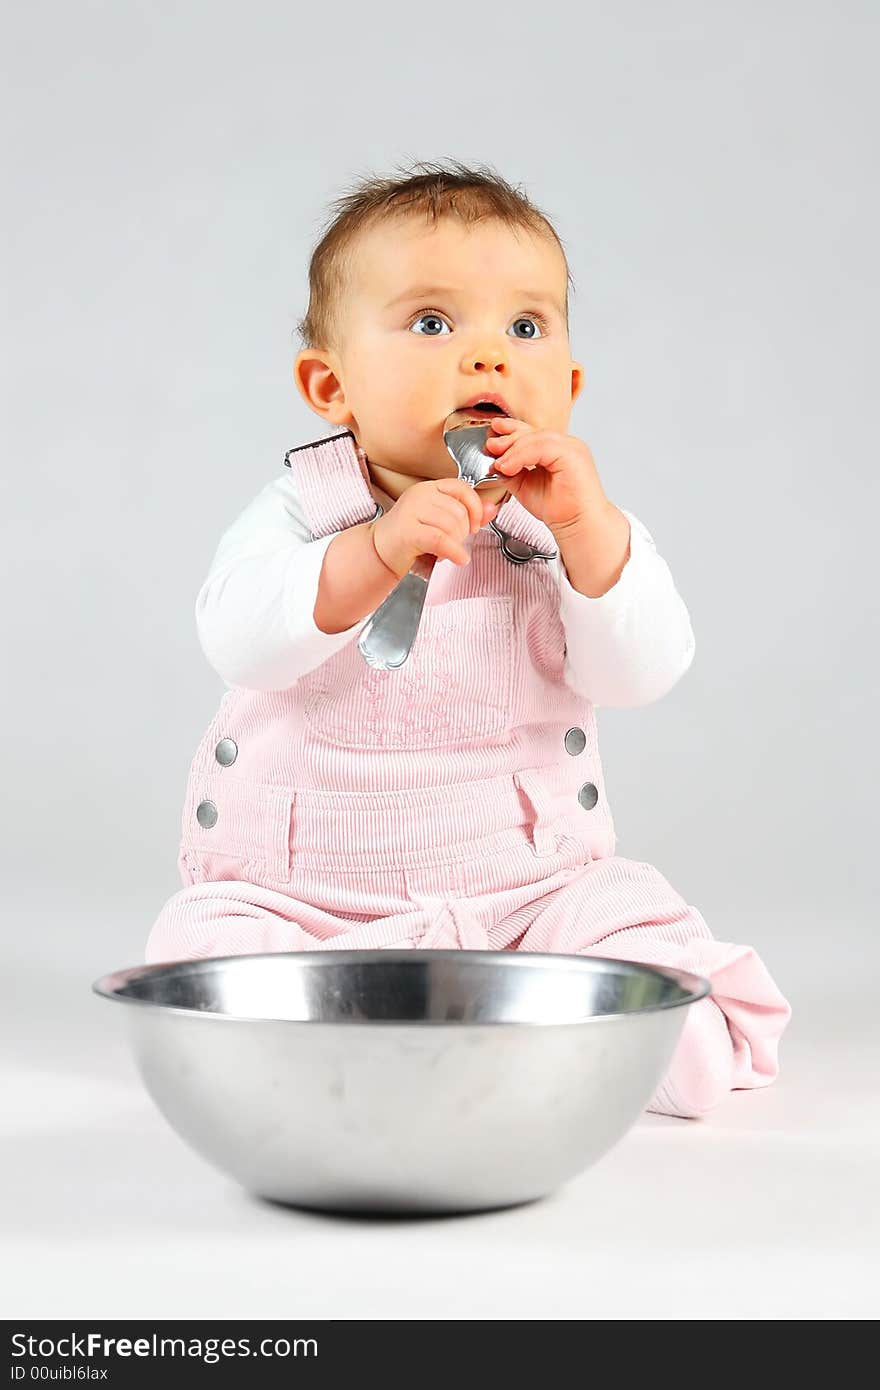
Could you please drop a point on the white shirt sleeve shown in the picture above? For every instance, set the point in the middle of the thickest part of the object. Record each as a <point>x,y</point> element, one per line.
<point>632,645</point>
<point>255,610</point>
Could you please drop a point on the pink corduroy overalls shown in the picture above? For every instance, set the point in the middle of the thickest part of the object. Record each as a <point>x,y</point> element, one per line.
<point>456,802</point>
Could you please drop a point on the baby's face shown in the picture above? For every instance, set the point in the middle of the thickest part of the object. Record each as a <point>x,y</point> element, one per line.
<point>437,316</point>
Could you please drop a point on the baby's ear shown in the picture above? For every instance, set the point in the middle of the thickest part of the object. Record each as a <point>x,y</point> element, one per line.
<point>316,380</point>
<point>577,380</point>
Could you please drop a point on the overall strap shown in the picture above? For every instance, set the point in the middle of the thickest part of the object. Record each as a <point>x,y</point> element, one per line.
<point>333,483</point>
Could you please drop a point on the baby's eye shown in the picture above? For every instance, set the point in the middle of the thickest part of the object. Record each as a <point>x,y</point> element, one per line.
<point>532,322</point>
<point>430,317</point>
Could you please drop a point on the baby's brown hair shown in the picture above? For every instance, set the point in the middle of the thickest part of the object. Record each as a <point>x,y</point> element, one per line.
<point>446,189</point>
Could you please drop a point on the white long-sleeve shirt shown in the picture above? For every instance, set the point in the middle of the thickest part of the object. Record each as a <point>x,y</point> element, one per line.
<point>254,612</point>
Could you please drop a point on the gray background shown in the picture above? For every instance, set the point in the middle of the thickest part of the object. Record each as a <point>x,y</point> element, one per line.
<point>709,171</point>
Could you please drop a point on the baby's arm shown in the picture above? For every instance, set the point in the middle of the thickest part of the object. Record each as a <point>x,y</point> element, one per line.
<point>276,603</point>
<point>363,565</point>
<point>353,581</point>
<point>255,612</point>
<point>631,645</point>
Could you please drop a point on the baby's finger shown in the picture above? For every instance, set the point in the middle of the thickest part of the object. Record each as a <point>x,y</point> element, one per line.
<point>449,513</point>
<point>433,539</point>
<point>462,492</point>
<point>497,445</point>
<point>509,466</point>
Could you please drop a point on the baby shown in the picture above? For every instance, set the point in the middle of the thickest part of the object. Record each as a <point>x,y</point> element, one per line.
<point>457,801</point>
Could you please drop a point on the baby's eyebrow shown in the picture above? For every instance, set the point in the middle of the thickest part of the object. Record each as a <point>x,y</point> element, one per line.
<point>425,291</point>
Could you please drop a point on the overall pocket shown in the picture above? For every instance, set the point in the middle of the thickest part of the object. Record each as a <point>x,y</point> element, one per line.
<point>454,688</point>
<point>234,830</point>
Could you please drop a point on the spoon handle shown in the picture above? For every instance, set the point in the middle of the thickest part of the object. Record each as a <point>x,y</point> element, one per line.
<point>387,638</point>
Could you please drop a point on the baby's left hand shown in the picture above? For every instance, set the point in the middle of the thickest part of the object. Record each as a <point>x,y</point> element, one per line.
<point>553,475</point>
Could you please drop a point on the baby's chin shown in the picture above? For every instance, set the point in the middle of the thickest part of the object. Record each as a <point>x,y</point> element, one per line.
<point>416,469</point>
<point>422,459</point>
<point>420,452</point>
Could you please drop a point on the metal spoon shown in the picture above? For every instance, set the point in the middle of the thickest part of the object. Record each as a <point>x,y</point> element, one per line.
<point>387,637</point>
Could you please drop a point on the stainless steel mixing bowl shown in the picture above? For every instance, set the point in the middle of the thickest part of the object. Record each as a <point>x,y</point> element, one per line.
<point>402,1080</point>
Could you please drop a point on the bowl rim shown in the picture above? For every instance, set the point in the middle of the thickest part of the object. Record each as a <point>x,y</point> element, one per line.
<point>695,987</point>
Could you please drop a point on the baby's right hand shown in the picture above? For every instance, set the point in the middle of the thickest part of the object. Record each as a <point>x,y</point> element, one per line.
<point>431,518</point>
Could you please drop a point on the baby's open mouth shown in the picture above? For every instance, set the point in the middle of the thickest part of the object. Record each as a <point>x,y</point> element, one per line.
<point>481,410</point>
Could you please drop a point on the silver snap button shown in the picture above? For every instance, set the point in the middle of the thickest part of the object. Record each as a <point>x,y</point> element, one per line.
<point>226,751</point>
<point>575,741</point>
<point>206,815</point>
<point>588,796</point>
<point>518,552</point>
